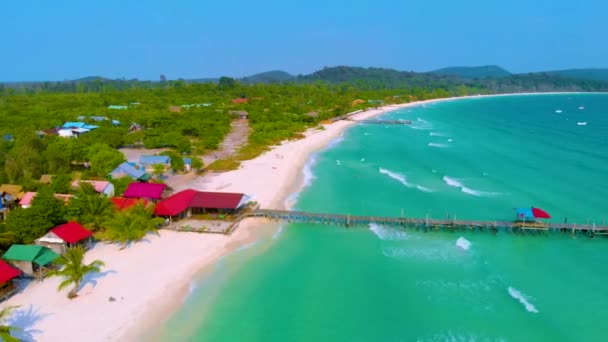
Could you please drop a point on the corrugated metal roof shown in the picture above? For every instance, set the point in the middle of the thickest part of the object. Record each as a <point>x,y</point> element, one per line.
<point>145,190</point>
<point>71,232</point>
<point>181,201</point>
<point>148,160</point>
<point>37,254</point>
<point>7,272</point>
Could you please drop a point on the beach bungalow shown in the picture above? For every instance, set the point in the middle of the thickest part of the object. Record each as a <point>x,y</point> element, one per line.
<point>7,274</point>
<point>187,202</point>
<point>122,203</point>
<point>127,169</point>
<point>102,187</point>
<point>149,191</point>
<point>64,236</point>
<point>10,195</point>
<point>28,198</point>
<point>149,162</point>
<point>79,124</point>
<point>32,260</point>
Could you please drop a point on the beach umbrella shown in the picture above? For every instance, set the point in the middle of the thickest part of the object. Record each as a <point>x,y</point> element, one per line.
<point>539,213</point>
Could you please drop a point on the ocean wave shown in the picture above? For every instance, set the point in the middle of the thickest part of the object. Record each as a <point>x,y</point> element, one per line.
<point>436,134</point>
<point>458,184</point>
<point>459,336</point>
<point>522,298</point>
<point>338,162</point>
<point>334,142</point>
<point>385,233</point>
<point>308,176</point>
<point>278,232</point>
<point>463,243</point>
<point>440,145</point>
<point>401,178</point>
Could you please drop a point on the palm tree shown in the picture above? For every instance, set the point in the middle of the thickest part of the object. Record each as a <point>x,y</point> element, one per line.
<point>73,270</point>
<point>132,225</point>
<point>5,330</point>
<point>158,170</point>
<point>90,208</point>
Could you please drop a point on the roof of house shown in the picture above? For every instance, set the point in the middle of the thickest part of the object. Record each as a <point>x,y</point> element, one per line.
<point>117,107</point>
<point>239,100</point>
<point>46,179</point>
<point>37,254</point>
<point>99,186</point>
<point>124,203</point>
<point>98,118</point>
<point>29,197</point>
<point>179,202</point>
<point>131,171</point>
<point>71,232</point>
<point>145,190</point>
<point>154,160</point>
<point>7,272</point>
<point>187,161</point>
<point>74,124</point>
<point>13,190</point>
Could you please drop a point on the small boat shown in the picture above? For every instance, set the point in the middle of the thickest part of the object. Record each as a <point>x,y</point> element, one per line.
<point>583,123</point>
<point>581,107</point>
<point>558,111</point>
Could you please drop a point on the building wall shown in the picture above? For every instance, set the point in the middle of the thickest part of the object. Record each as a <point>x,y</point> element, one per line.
<point>58,248</point>
<point>25,267</point>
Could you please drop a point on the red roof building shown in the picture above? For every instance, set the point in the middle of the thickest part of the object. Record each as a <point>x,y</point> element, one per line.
<point>64,236</point>
<point>7,272</point>
<point>122,203</point>
<point>183,201</point>
<point>151,191</point>
<point>239,100</point>
<point>71,232</point>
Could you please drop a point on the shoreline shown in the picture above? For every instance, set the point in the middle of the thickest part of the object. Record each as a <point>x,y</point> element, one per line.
<point>150,280</point>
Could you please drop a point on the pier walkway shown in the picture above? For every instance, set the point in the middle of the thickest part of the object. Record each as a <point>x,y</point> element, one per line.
<point>426,223</point>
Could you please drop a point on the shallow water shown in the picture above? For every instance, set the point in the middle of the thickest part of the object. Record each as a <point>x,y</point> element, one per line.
<point>375,283</point>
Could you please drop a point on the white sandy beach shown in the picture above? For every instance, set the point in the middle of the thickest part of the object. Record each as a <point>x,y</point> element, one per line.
<point>150,279</point>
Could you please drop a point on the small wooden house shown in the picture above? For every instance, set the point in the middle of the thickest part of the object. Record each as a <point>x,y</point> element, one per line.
<point>60,238</point>
<point>30,259</point>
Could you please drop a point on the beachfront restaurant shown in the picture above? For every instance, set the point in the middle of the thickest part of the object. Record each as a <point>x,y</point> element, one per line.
<point>32,260</point>
<point>67,235</point>
<point>188,202</point>
<point>7,274</point>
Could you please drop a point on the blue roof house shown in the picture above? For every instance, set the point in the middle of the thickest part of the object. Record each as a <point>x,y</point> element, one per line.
<point>78,124</point>
<point>129,170</point>
<point>153,160</point>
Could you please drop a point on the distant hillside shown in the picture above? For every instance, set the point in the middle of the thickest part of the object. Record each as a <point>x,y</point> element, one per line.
<point>594,74</point>
<point>274,76</point>
<point>487,71</point>
<point>91,79</point>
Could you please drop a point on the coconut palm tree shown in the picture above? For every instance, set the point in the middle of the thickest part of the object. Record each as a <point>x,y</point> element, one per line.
<point>5,330</point>
<point>73,269</point>
<point>132,225</point>
<point>90,208</point>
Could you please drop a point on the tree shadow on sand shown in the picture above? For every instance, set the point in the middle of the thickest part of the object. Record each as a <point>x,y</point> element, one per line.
<point>24,319</point>
<point>91,278</point>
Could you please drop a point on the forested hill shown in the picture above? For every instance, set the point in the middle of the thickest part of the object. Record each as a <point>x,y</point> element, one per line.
<point>487,71</point>
<point>594,74</point>
<point>490,78</point>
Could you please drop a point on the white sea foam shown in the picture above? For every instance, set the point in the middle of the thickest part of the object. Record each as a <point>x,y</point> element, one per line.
<point>387,233</point>
<point>308,176</point>
<point>458,184</point>
<point>434,171</point>
<point>440,145</point>
<point>278,233</point>
<point>396,176</point>
<point>367,133</point>
<point>450,140</point>
<point>334,142</point>
<point>401,178</point>
<point>338,162</point>
<point>362,159</point>
<point>523,299</point>
<point>463,243</point>
<point>436,134</point>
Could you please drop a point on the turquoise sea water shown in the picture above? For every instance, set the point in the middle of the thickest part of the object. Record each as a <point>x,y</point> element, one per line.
<point>474,158</point>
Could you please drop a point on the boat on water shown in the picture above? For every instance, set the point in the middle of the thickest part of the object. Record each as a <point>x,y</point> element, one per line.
<point>582,123</point>
<point>558,110</point>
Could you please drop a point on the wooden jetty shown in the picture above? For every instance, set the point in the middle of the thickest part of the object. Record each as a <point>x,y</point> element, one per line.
<point>428,224</point>
<point>384,122</point>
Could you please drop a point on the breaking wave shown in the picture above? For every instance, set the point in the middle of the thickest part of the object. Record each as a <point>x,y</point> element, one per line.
<point>463,243</point>
<point>401,178</point>
<point>436,134</point>
<point>387,233</point>
<point>432,144</point>
<point>278,233</point>
<point>458,184</point>
<point>523,299</point>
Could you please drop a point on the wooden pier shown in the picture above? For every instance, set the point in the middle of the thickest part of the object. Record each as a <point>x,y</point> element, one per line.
<point>428,224</point>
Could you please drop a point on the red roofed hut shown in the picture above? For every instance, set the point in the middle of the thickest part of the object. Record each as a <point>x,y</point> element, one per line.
<point>150,191</point>
<point>7,274</point>
<point>185,203</point>
<point>122,203</point>
<point>239,100</point>
<point>64,236</point>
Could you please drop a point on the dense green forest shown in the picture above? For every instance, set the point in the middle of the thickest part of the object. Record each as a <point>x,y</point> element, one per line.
<point>193,118</point>
<point>487,71</point>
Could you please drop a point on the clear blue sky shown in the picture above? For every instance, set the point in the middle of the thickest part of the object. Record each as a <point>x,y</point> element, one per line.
<point>56,40</point>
